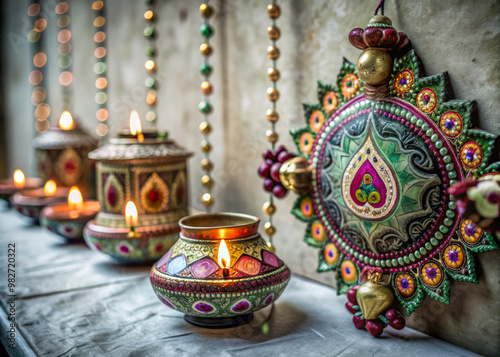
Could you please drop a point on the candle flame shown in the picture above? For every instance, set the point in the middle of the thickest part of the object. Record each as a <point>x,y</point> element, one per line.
<point>223,256</point>
<point>131,214</point>
<point>75,199</point>
<point>66,121</point>
<point>50,188</point>
<point>19,179</point>
<point>135,123</point>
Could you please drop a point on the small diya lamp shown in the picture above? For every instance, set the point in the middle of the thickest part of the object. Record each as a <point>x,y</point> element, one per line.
<point>31,202</point>
<point>147,173</point>
<point>62,155</point>
<point>8,187</point>
<point>220,271</point>
<point>69,219</point>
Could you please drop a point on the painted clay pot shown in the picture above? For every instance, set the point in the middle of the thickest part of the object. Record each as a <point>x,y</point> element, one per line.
<point>62,157</point>
<point>152,174</point>
<point>30,203</point>
<point>191,279</point>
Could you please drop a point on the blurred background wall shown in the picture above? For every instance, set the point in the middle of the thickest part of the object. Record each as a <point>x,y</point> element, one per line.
<point>459,36</point>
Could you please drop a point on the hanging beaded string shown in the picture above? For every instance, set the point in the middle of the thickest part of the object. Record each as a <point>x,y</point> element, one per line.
<point>100,52</point>
<point>151,66</point>
<point>36,77</point>
<point>64,50</point>
<point>273,74</point>
<point>207,31</point>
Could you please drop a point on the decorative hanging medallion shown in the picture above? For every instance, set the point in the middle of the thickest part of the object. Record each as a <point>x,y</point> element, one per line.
<point>377,156</point>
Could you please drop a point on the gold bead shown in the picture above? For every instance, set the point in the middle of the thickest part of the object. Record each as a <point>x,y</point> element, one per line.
<point>206,10</point>
<point>273,74</point>
<point>207,181</point>
<point>206,88</point>
<point>272,94</point>
<point>273,32</point>
<point>206,147</point>
<point>207,165</point>
<point>273,11</point>
<point>296,175</point>
<point>272,115</point>
<point>205,128</point>
<point>268,208</point>
<point>207,199</point>
<point>273,52</point>
<point>271,136</point>
<point>271,247</point>
<point>374,66</point>
<point>269,229</point>
<point>205,49</point>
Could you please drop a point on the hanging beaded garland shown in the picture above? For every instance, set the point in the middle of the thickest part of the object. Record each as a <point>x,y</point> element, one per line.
<point>36,77</point>
<point>64,49</point>
<point>151,81</point>
<point>205,107</point>
<point>100,69</point>
<point>273,157</point>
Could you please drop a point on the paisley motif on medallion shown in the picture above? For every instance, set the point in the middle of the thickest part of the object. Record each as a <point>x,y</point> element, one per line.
<point>369,187</point>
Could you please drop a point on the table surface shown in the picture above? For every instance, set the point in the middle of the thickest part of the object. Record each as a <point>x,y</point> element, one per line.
<point>75,302</point>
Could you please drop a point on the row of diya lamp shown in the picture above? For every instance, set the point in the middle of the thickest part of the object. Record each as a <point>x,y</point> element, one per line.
<point>215,268</point>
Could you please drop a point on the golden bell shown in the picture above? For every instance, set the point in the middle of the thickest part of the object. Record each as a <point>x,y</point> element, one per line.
<point>373,299</point>
<point>374,66</point>
<point>296,175</point>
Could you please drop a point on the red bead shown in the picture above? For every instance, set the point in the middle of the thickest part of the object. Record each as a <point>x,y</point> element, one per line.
<point>279,191</point>
<point>349,306</point>
<point>351,294</point>
<point>375,328</point>
<point>268,185</point>
<point>391,314</point>
<point>263,170</point>
<point>358,322</point>
<point>284,156</point>
<point>279,150</point>
<point>268,154</point>
<point>398,323</point>
<point>275,171</point>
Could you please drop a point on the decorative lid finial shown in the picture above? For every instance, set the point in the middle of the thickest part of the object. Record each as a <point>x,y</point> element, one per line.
<point>380,43</point>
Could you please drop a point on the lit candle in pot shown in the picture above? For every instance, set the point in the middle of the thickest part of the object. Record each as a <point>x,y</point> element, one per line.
<point>75,199</point>
<point>19,180</point>
<point>66,121</point>
<point>131,218</point>
<point>69,219</point>
<point>50,188</point>
<point>224,258</point>
<point>135,125</point>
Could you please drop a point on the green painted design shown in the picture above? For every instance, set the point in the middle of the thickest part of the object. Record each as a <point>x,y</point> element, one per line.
<point>410,303</point>
<point>420,192</point>
<point>441,293</point>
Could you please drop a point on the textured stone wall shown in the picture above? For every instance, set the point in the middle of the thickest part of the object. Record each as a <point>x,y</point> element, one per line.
<point>458,36</point>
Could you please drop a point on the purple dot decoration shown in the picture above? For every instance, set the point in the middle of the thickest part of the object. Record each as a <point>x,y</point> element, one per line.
<point>404,283</point>
<point>241,306</point>
<point>269,299</point>
<point>470,230</point>
<point>453,255</point>
<point>165,301</point>
<point>124,249</point>
<point>431,273</point>
<point>204,307</point>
